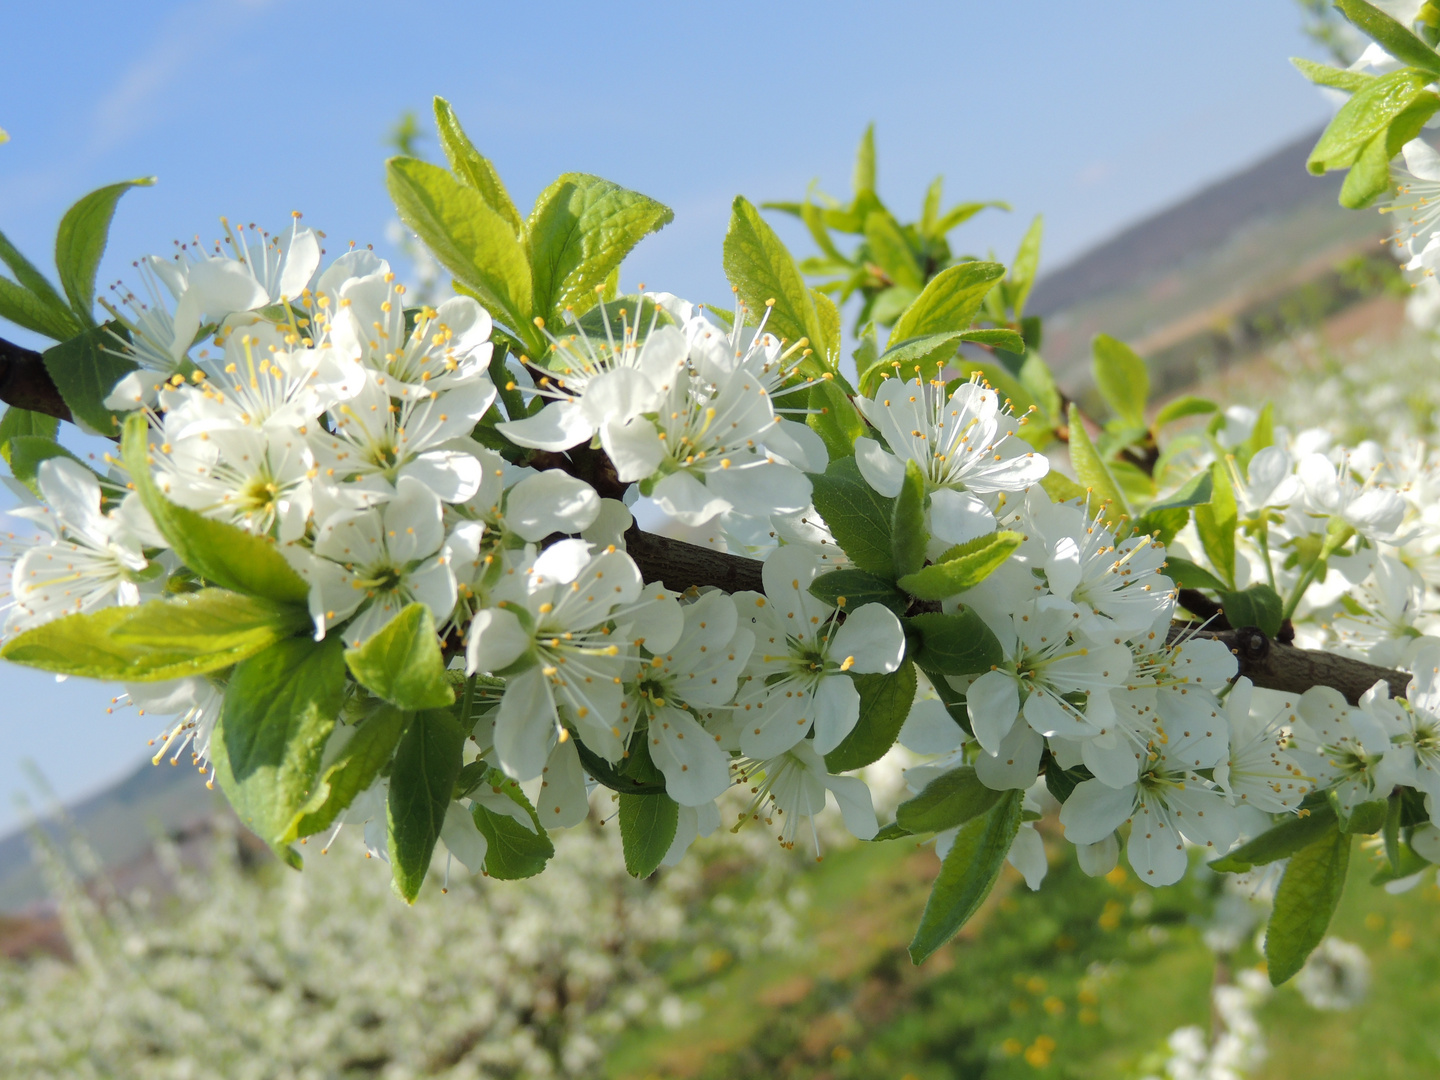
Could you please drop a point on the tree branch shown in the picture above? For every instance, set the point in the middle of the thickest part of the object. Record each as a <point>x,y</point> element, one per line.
<point>678,565</point>
<point>25,384</point>
<point>1275,666</point>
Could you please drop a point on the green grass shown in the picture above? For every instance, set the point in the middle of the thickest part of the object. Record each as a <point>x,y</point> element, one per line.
<point>1082,980</point>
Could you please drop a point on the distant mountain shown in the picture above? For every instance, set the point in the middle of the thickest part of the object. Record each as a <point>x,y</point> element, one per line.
<point>120,824</point>
<point>1194,265</point>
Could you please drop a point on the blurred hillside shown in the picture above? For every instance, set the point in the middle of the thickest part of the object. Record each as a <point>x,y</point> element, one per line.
<point>1206,280</point>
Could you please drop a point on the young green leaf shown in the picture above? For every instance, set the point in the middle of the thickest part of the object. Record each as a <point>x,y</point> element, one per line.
<point>40,300</point>
<point>857,515</point>
<point>891,251</point>
<point>1305,901</point>
<point>367,751</point>
<point>851,589</point>
<point>908,535</point>
<point>1259,605</point>
<point>472,167</point>
<point>1094,474</point>
<point>280,707</point>
<point>1369,113</point>
<point>949,302</point>
<point>1279,842</point>
<point>1217,521</point>
<point>26,453</point>
<point>1393,37</point>
<point>191,634</point>
<point>885,701</point>
<point>962,567</point>
<point>223,554</point>
<point>1363,818</point>
<point>85,372</point>
<point>578,233</point>
<point>954,644</point>
<point>1187,575</point>
<point>647,829</point>
<point>1025,266</point>
<point>951,799</point>
<point>1182,407</point>
<point>758,264</point>
<point>968,874</point>
<point>402,664</point>
<point>512,851</point>
<point>471,239</point>
<point>1122,378</point>
<point>422,784</point>
<point>1039,381</point>
<point>863,179</point>
<point>23,424</point>
<point>1337,78</point>
<point>834,418</point>
<point>80,242</point>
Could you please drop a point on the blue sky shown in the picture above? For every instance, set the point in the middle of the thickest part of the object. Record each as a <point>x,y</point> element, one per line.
<point>1093,114</point>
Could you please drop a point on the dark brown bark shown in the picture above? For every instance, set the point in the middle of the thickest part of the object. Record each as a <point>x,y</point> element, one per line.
<point>1275,666</point>
<point>25,384</point>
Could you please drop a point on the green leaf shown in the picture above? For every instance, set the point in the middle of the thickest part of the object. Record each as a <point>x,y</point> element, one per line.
<point>1304,903</point>
<point>962,212</point>
<point>512,851</point>
<point>578,233</point>
<point>43,301</point>
<point>1122,378</point>
<point>401,663</point>
<point>954,644</point>
<point>1093,473</point>
<point>1187,575</point>
<point>472,167</point>
<point>223,554</point>
<point>1364,819</point>
<point>1338,78</point>
<point>851,589</point>
<point>368,750</point>
<point>1196,491</point>
<point>890,250</point>
<point>1406,862</point>
<point>885,701</point>
<point>1396,39</point>
<point>1261,436</point>
<point>863,179</point>
<point>422,783</point>
<point>647,829</point>
<point>22,423</point>
<point>1025,266</point>
<point>1182,407</point>
<point>192,634</point>
<point>951,799</point>
<point>80,242</point>
<point>1279,842</point>
<point>968,874</point>
<point>1060,487</point>
<point>908,535</point>
<point>921,356</point>
<point>1216,523</point>
<point>858,516</point>
<point>949,302</point>
<point>472,240</point>
<point>85,372</point>
<point>24,308</point>
<point>279,710</point>
<point>25,453</point>
<point>828,323</point>
<point>1394,815</point>
<point>758,264</point>
<point>1037,378</point>
<point>1008,340</point>
<point>834,418</point>
<point>1367,114</point>
<point>1259,605</point>
<point>962,567</point>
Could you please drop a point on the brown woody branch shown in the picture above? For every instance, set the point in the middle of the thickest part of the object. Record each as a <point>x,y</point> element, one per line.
<point>25,384</point>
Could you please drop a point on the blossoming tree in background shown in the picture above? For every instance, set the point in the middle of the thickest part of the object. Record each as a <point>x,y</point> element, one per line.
<point>417,568</point>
